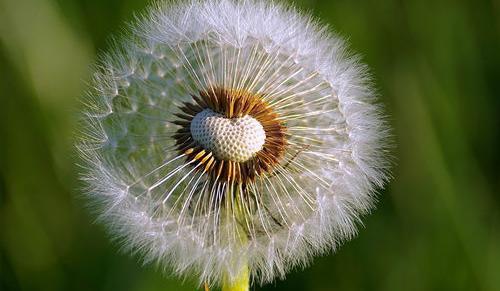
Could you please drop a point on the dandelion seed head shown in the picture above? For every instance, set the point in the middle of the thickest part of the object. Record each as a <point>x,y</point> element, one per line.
<point>226,133</point>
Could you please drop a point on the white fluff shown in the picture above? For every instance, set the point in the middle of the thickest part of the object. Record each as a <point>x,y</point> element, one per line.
<point>145,192</point>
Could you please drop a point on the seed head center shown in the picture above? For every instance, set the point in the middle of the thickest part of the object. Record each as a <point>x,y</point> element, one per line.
<point>233,139</point>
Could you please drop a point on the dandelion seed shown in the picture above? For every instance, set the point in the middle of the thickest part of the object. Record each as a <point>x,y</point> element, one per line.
<point>231,139</point>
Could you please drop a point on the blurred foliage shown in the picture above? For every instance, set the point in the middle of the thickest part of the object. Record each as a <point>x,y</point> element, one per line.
<point>437,68</point>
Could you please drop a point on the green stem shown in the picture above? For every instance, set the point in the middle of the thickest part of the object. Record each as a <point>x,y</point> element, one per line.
<point>240,283</point>
<point>242,280</point>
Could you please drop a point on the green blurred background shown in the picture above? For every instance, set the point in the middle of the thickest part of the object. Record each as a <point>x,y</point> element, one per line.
<point>437,227</point>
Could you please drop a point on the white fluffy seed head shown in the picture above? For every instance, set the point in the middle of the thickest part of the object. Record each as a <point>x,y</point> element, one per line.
<point>165,207</point>
<point>233,139</point>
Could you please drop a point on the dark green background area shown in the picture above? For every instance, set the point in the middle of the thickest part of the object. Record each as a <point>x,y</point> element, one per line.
<point>436,65</point>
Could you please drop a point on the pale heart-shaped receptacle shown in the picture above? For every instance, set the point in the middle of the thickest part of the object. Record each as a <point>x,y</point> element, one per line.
<point>233,139</point>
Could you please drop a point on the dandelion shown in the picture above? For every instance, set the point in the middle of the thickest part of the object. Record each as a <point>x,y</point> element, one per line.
<point>231,140</point>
